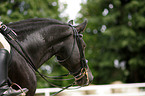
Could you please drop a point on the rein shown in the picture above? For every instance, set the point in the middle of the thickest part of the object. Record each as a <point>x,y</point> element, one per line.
<point>11,35</point>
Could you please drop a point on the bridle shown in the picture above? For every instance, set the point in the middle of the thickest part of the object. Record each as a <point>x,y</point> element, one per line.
<point>79,74</point>
<point>83,61</point>
<point>83,71</point>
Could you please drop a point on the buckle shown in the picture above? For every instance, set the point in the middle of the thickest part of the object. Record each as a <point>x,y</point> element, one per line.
<point>81,74</point>
<point>84,72</point>
<point>4,27</point>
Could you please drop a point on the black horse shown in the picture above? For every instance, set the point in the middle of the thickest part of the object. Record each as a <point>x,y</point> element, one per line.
<point>41,39</point>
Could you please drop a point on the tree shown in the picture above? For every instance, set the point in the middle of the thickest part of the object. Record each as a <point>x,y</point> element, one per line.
<point>15,10</point>
<point>115,39</point>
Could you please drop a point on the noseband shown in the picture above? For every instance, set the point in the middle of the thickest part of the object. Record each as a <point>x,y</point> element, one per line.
<point>83,71</point>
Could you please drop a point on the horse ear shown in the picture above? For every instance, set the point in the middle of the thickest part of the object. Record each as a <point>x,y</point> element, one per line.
<point>81,27</point>
<point>71,22</point>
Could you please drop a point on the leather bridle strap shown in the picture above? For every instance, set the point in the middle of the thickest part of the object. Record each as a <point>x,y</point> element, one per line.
<point>7,32</point>
<point>84,66</point>
<point>75,36</point>
<point>82,56</point>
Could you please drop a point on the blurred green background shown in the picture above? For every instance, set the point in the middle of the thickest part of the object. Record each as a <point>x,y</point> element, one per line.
<point>115,36</point>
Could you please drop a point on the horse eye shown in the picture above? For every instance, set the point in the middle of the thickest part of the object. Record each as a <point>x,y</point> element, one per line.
<point>81,35</point>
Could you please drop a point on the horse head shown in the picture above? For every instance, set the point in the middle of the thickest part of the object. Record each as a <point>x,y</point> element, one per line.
<point>71,55</point>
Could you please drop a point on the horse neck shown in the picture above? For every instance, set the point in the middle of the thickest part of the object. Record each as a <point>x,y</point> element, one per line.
<point>43,44</point>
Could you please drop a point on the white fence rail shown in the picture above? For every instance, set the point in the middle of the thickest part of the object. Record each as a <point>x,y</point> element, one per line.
<point>132,89</point>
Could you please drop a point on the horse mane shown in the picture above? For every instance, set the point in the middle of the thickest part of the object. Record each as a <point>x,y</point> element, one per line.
<point>33,24</point>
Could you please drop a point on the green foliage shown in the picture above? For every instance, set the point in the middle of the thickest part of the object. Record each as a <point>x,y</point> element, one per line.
<point>115,35</point>
<point>15,10</point>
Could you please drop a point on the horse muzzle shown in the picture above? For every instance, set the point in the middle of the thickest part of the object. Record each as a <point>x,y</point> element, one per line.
<point>84,78</point>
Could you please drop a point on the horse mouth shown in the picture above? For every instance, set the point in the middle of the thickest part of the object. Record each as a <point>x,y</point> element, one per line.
<point>85,80</point>
<point>81,82</point>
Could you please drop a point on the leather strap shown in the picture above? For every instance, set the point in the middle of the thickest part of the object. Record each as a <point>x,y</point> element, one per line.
<point>7,32</point>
